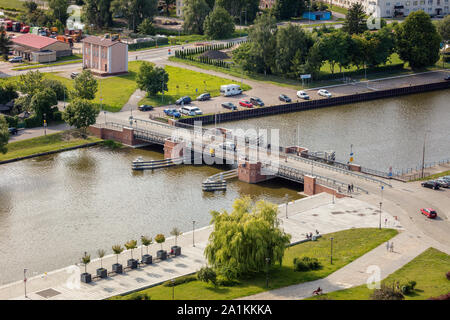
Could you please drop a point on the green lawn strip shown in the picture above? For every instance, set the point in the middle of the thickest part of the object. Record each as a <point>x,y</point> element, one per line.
<point>48,65</point>
<point>348,245</point>
<point>427,269</point>
<point>184,82</point>
<point>337,9</point>
<point>434,176</point>
<point>11,4</point>
<point>50,142</point>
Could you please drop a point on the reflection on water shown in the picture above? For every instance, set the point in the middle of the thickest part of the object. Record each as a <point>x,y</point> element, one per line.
<point>53,208</point>
<point>384,133</point>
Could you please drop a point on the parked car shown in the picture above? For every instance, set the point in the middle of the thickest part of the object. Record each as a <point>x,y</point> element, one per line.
<point>183,100</point>
<point>284,98</point>
<point>73,75</point>
<point>324,93</point>
<point>172,112</point>
<point>257,101</point>
<point>12,130</point>
<point>204,96</point>
<point>229,105</point>
<point>302,95</point>
<point>447,78</point>
<point>190,111</point>
<point>430,184</point>
<point>15,59</point>
<point>430,213</point>
<point>145,107</point>
<point>442,183</point>
<point>245,103</point>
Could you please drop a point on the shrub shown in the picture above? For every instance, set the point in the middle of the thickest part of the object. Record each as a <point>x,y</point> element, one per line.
<point>222,281</point>
<point>306,264</point>
<point>138,296</point>
<point>57,116</point>
<point>386,293</point>
<point>33,122</point>
<point>12,121</point>
<point>111,144</point>
<point>408,287</point>
<point>180,280</point>
<point>207,274</point>
<point>448,275</point>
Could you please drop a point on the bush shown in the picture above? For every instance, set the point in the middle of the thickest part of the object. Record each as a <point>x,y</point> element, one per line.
<point>306,264</point>
<point>111,144</point>
<point>207,274</point>
<point>12,121</point>
<point>58,87</point>
<point>138,296</point>
<point>408,287</point>
<point>180,280</point>
<point>386,293</point>
<point>57,116</point>
<point>222,281</point>
<point>33,122</point>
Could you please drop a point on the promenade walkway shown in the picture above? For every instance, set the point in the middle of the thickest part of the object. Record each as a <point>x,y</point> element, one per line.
<point>304,216</point>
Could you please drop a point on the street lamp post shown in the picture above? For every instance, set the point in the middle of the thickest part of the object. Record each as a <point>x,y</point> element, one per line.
<point>267,272</point>
<point>193,230</point>
<point>423,152</point>
<point>379,227</point>
<point>331,255</point>
<point>173,289</point>
<point>45,124</point>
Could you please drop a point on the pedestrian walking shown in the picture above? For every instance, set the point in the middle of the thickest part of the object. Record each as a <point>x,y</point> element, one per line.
<point>387,246</point>
<point>352,187</point>
<point>385,221</point>
<point>392,247</point>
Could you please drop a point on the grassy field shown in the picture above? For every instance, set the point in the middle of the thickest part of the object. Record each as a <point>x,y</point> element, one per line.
<point>15,4</point>
<point>183,82</point>
<point>428,270</point>
<point>347,246</point>
<point>337,9</point>
<point>50,142</point>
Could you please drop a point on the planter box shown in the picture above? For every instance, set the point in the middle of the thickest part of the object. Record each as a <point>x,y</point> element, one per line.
<point>161,254</point>
<point>86,277</point>
<point>176,250</point>
<point>102,272</point>
<point>117,268</point>
<point>132,263</point>
<point>147,259</point>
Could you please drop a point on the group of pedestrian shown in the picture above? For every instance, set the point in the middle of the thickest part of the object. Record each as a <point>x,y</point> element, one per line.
<point>390,246</point>
<point>350,188</point>
<point>309,236</point>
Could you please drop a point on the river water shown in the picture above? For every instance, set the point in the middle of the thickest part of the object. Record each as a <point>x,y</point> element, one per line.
<point>53,208</point>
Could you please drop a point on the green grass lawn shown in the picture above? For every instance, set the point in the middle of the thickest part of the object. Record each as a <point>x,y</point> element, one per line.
<point>183,82</point>
<point>15,4</point>
<point>337,9</point>
<point>348,245</point>
<point>428,270</point>
<point>50,142</point>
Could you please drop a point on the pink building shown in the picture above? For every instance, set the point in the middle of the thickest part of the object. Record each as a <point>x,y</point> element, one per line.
<point>104,56</point>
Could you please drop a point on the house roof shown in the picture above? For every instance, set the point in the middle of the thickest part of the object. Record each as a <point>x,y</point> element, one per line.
<point>100,41</point>
<point>34,41</point>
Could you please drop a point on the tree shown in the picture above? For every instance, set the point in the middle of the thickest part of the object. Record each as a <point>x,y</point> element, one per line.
<point>245,57</point>
<point>98,13</point>
<point>117,249</point>
<point>236,8</point>
<point>85,260</point>
<point>387,293</point>
<point>176,233</point>
<point>59,9</point>
<point>195,13</point>
<point>146,27</point>
<point>80,113</point>
<point>85,86</point>
<point>30,82</point>
<point>355,21</point>
<point>286,9</point>
<point>130,245</point>
<point>160,238</point>
<point>243,239</point>
<point>30,6</point>
<point>146,241</point>
<point>101,253</point>
<point>443,27</point>
<point>135,11</point>
<point>206,274</point>
<point>417,40</point>
<point>5,43</point>
<point>4,134</point>
<point>57,86</point>
<point>43,101</point>
<point>152,80</point>
<point>168,3</point>
<point>336,49</point>
<point>7,92</point>
<point>219,24</point>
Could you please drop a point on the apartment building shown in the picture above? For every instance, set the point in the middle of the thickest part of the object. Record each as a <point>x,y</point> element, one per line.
<point>104,56</point>
<point>180,5</point>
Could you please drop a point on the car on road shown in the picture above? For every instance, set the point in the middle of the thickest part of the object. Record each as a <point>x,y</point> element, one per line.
<point>190,111</point>
<point>73,75</point>
<point>172,112</point>
<point>12,130</point>
<point>284,98</point>
<point>324,93</point>
<point>447,78</point>
<point>245,103</point>
<point>204,97</point>
<point>430,184</point>
<point>145,107</point>
<point>257,101</point>
<point>15,59</point>
<point>183,100</point>
<point>442,183</point>
<point>302,95</point>
<point>229,105</point>
<point>430,213</point>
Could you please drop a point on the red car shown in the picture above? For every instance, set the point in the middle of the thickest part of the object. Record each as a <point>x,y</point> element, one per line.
<point>430,213</point>
<point>246,103</point>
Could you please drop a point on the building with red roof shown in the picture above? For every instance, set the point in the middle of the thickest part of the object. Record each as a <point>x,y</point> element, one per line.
<point>39,48</point>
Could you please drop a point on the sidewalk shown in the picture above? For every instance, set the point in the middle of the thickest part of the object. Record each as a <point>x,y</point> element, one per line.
<point>304,216</point>
<point>37,132</point>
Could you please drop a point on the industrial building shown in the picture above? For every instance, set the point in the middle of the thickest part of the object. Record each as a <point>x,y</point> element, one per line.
<point>40,49</point>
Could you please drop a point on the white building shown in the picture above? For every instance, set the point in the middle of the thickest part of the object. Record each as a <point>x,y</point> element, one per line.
<point>398,8</point>
<point>180,5</point>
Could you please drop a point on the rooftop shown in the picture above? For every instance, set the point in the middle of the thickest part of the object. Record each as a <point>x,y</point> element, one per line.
<point>100,41</point>
<point>34,41</point>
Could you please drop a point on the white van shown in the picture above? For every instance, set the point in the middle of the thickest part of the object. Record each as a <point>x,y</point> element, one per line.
<point>190,111</point>
<point>230,90</point>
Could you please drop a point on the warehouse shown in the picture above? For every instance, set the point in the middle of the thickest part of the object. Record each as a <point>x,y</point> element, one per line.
<point>36,48</point>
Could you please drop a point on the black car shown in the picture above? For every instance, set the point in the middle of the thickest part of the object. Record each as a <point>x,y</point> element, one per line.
<point>12,130</point>
<point>204,96</point>
<point>430,184</point>
<point>145,107</point>
<point>257,102</point>
<point>183,100</point>
<point>284,98</point>
<point>73,75</point>
<point>229,105</point>
<point>447,78</point>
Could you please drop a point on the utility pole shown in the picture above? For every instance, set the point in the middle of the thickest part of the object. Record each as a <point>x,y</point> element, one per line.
<point>423,152</point>
<point>286,196</point>
<point>25,281</point>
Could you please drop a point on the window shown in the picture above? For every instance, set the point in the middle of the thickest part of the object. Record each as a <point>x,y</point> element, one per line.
<point>415,3</point>
<point>388,11</point>
<point>430,1</point>
<point>422,1</point>
<point>388,4</point>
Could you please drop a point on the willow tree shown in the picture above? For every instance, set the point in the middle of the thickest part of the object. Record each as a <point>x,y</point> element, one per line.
<point>243,239</point>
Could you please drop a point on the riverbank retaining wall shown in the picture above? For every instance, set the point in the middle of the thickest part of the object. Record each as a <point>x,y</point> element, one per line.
<point>313,104</point>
